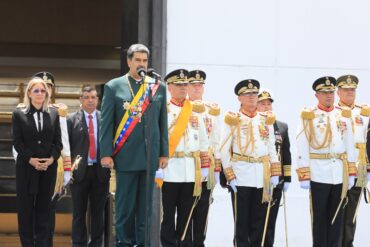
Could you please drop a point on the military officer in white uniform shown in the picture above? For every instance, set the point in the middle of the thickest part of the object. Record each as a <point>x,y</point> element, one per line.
<point>210,174</point>
<point>326,157</point>
<point>346,90</point>
<point>250,163</point>
<point>188,153</point>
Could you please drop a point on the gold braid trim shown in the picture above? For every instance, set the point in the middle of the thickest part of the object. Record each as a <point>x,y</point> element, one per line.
<point>211,175</point>
<point>276,169</point>
<point>266,196</point>
<point>361,166</point>
<point>287,170</point>
<point>218,165</point>
<point>309,131</point>
<point>60,176</point>
<point>304,174</point>
<point>345,176</point>
<point>204,160</point>
<point>198,175</point>
<point>229,174</point>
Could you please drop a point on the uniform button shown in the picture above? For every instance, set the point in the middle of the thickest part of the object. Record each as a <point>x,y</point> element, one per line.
<point>39,142</point>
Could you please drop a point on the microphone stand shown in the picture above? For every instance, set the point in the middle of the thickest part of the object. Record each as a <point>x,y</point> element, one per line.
<point>148,137</point>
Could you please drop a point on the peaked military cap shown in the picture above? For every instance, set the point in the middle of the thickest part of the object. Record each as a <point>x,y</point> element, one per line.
<point>247,86</point>
<point>179,76</point>
<point>324,84</point>
<point>347,81</point>
<point>265,94</point>
<point>46,76</point>
<point>197,76</point>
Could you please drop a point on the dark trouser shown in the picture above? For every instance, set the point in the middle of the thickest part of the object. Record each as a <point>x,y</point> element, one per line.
<point>176,198</point>
<point>349,228</point>
<point>131,206</point>
<point>270,234</point>
<point>92,190</point>
<point>200,215</point>
<point>250,216</point>
<point>325,201</point>
<point>34,210</point>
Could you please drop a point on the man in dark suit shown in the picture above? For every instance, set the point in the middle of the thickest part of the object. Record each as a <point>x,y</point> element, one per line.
<point>134,118</point>
<point>90,179</point>
<point>282,144</point>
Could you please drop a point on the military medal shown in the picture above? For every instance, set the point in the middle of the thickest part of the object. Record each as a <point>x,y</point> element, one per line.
<point>126,105</point>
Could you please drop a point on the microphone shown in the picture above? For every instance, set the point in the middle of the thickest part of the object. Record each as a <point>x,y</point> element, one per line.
<point>151,72</point>
<point>141,72</point>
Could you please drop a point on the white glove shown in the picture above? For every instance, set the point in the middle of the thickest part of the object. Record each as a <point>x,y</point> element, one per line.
<point>368,176</point>
<point>351,181</point>
<point>305,184</point>
<point>205,172</point>
<point>274,180</point>
<point>159,174</point>
<point>286,186</point>
<point>217,177</point>
<point>233,185</point>
<point>67,177</point>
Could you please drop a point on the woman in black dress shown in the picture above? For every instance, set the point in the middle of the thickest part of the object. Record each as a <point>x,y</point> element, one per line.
<point>37,139</point>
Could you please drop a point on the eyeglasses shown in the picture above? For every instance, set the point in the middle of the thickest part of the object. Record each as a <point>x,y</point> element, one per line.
<point>36,91</point>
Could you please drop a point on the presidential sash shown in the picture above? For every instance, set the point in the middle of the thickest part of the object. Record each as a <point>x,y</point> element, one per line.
<point>180,126</point>
<point>130,119</point>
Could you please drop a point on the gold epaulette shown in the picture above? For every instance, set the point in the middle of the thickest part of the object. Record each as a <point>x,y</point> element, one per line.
<point>346,112</point>
<point>269,116</point>
<point>198,106</point>
<point>365,111</point>
<point>214,109</point>
<point>232,118</point>
<point>21,105</point>
<point>62,109</point>
<point>307,114</point>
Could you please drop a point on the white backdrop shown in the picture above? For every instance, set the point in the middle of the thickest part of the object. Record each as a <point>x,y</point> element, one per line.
<point>286,45</point>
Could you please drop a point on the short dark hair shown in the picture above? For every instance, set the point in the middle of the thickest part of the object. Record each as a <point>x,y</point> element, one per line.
<point>137,48</point>
<point>87,89</point>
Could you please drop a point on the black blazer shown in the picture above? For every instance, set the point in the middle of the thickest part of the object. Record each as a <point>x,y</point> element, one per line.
<point>29,143</point>
<point>281,133</point>
<point>79,143</point>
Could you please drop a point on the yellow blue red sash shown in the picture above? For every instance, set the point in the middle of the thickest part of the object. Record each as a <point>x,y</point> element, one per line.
<point>130,119</point>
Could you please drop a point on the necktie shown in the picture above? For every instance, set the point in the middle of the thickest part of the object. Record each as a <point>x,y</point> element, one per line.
<point>38,121</point>
<point>92,150</point>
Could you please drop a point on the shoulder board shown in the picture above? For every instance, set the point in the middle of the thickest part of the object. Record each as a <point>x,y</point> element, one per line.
<point>21,105</point>
<point>270,117</point>
<point>198,106</point>
<point>308,114</point>
<point>213,109</point>
<point>346,111</point>
<point>365,111</point>
<point>62,109</point>
<point>232,118</point>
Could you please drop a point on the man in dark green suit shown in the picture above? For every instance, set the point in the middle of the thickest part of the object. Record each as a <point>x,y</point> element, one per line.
<point>133,135</point>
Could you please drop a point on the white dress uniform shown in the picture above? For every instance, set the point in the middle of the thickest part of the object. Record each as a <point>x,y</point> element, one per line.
<point>234,141</point>
<point>182,170</point>
<point>328,171</point>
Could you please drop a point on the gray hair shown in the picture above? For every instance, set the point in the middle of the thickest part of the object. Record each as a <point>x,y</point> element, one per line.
<point>137,48</point>
<point>27,99</point>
